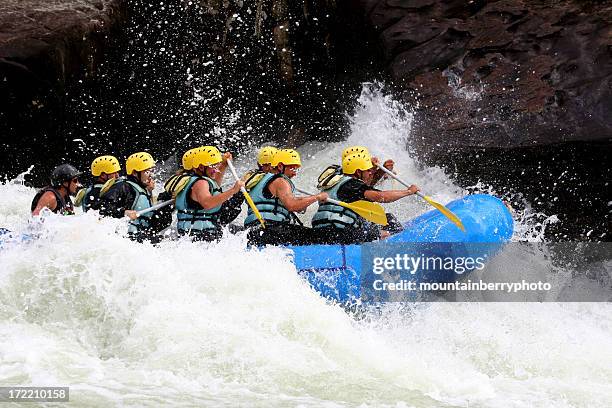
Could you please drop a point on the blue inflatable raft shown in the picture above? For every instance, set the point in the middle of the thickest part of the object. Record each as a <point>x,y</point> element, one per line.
<point>337,271</point>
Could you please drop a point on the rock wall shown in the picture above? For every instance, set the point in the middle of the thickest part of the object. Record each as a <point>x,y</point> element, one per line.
<point>501,73</point>
<point>45,47</point>
<point>510,92</point>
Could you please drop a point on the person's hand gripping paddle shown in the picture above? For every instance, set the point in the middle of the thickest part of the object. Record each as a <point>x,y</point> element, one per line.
<point>447,213</point>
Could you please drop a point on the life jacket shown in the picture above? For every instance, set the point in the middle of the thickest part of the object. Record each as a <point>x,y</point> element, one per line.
<point>252,177</point>
<point>177,182</point>
<point>63,207</point>
<point>190,214</point>
<point>89,196</point>
<point>333,215</point>
<point>329,177</point>
<point>271,209</point>
<point>142,201</point>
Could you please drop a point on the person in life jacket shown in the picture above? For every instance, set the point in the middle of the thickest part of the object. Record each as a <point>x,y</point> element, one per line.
<point>341,225</point>
<point>264,166</point>
<point>56,196</point>
<point>274,197</point>
<point>103,168</point>
<point>200,201</point>
<point>124,197</point>
<point>335,170</point>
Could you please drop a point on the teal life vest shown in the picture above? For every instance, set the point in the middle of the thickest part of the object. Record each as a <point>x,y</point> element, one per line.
<point>271,209</point>
<point>333,215</point>
<point>91,195</point>
<point>142,201</point>
<point>190,215</point>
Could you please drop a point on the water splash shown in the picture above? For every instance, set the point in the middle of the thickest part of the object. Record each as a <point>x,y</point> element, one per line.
<point>188,323</point>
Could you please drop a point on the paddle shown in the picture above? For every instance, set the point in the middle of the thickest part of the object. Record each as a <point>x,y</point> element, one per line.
<point>154,207</point>
<point>372,212</point>
<point>447,213</point>
<point>247,196</point>
<point>180,184</point>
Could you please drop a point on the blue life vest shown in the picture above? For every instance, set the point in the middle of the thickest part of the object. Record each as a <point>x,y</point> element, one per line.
<point>142,201</point>
<point>333,215</point>
<point>91,195</point>
<point>190,215</point>
<point>271,209</point>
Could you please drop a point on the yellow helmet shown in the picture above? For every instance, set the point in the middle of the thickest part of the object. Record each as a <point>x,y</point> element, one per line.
<point>140,161</point>
<point>207,156</point>
<point>105,164</point>
<point>188,158</point>
<point>265,154</point>
<point>287,157</point>
<point>355,149</point>
<point>357,161</point>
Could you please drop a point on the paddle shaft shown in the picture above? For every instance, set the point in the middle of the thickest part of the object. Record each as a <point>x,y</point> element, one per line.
<point>390,173</point>
<point>246,194</point>
<point>154,207</point>
<point>447,213</point>
<point>331,200</point>
<point>370,211</point>
<point>233,170</point>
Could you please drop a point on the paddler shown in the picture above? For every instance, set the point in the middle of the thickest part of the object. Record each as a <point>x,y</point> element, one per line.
<point>124,197</point>
<point>103,168</point>
<point>203,208</point>
<point>56,197</point>
<point>274,198</point>
<point>337,224</point>
<point>336,170</point>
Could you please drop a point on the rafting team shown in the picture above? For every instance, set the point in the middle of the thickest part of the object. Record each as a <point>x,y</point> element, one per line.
<point>204,209</point>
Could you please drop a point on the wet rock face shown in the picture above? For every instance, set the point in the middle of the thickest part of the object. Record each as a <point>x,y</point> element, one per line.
<point>514,93</point>
<point>45,46</point>
<point>503,73</point>
<point>46,40</point>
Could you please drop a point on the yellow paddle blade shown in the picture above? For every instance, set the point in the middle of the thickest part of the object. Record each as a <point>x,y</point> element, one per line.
<point>249,200</point>
<point>372,212</point>
<point>447,213</point>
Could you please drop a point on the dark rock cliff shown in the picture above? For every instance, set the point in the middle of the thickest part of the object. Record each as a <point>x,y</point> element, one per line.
<point>513,93</point>
<point>45,47</point>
